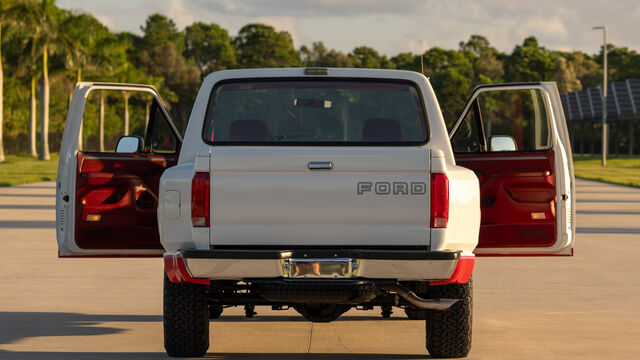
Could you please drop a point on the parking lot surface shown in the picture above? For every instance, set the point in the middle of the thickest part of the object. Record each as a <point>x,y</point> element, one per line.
<point>584,307</point>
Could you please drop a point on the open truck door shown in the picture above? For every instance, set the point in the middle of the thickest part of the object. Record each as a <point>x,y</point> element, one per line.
<point>515,138</point>
<point>118,140</point>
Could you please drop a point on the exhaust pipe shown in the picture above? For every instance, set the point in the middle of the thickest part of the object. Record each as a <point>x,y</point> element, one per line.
<point>431,304</point>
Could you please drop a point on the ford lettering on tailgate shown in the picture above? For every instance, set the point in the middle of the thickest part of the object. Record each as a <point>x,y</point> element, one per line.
<point>392,188</point>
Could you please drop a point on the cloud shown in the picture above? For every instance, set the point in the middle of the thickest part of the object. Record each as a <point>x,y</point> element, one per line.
<point>106,20</point>
<point>229,5</point>
<point>282,23</point>
<point>397,25</point>
<point>547,27</point>
<point>316,8</point>
<point>180,14</point>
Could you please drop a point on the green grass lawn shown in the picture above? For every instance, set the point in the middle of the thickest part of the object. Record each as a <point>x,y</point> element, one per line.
<point>19,169</point>
<point>623,170</point>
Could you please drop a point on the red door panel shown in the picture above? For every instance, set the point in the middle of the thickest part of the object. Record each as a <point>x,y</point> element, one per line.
<point>117,199</point>
<point>517,194</point>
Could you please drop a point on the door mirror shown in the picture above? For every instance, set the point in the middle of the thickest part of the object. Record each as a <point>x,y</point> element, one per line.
<point>503,143</point>
<point>129,144</point>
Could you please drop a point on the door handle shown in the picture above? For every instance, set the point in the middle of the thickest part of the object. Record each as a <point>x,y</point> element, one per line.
<point>320,165</point>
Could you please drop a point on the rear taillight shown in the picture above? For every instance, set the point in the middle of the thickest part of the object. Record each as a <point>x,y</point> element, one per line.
<point>200,199</point>
<point>439,200</point>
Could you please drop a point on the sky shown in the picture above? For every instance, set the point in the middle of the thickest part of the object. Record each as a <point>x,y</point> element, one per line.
<point>395,26</point>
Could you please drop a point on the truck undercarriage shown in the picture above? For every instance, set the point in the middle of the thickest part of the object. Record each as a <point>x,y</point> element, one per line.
<point>322,300</point>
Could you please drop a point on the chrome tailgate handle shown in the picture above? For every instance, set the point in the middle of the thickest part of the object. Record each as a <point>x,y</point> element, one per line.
<point>320,165</point>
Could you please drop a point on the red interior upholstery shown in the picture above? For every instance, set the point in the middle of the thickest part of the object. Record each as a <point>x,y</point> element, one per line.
<point>512,187</point>
<point>123,190</point>
<point>248,130</point>
<point>381,129</point>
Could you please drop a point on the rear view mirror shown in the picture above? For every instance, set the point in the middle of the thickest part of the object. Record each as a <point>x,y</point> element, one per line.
<point>503,143</point>
<point>129,144</point>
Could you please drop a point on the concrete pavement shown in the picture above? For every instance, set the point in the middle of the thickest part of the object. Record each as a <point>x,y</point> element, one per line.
<point>584,307</point>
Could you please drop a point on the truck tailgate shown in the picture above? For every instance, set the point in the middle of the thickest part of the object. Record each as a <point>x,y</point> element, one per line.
<point>371,196</point>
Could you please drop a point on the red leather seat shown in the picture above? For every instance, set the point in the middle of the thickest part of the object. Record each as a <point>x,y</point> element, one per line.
<point>248,130</point>
<point>381,129</point>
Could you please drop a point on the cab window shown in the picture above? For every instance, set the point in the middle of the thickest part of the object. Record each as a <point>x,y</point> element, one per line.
<point>505,121</point>
<point>112,114</point>
<point>330,112</point>
<point>467,139</point>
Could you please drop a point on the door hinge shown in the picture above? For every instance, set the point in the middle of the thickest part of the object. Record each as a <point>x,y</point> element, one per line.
<point>564,197</point>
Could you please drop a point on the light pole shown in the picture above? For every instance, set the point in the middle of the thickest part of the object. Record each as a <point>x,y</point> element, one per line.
<point>604,94</point>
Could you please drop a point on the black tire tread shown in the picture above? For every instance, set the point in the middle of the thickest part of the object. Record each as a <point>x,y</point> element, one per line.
<point>448,333</point>
<point>413,313</point>
<point>186,319</point>
<point>215,311</point>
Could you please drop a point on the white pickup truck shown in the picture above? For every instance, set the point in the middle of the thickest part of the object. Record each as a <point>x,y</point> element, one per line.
<point>323,190</point>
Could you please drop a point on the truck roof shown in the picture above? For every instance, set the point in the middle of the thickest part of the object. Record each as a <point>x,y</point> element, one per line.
<point>316,73</point>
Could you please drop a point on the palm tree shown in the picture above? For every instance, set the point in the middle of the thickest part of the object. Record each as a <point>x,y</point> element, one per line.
<point>42,23</point>
<point>1,96</point>
<point>27,67</point>
<point>148,100</point>
<point>108,54</point>
<point>48,37</point>
<point>44,106</point>
<point>125,125</point>
<point>29,64</point>
<point>32,118</point>
<point>101,122</point>
<point>6,7</point>
<point>127,73</point>
<point>80,35</point>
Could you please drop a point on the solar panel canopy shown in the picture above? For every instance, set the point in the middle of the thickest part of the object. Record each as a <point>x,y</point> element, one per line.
<point>623,101</point>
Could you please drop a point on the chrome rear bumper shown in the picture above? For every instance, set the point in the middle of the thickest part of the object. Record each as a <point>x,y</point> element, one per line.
<point>401,265</point>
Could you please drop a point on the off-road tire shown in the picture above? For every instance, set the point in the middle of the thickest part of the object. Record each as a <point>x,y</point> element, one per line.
<point>421,289</point>
<point>413,313</point>
<point>215,311</point>
<point>449,331</point>
<point>186,319</point>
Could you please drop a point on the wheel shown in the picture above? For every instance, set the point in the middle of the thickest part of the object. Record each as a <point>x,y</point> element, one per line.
<point>186,319</point>
<point>449,331</point>
<point>413,313</point>
<point>420,288</point>
<point>215,311</point>
<point>321,312</point>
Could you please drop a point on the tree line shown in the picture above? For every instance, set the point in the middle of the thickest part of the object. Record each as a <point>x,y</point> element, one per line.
<point>46,50</point>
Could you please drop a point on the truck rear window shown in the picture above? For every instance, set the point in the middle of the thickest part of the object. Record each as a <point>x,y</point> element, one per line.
<point>315,113</point>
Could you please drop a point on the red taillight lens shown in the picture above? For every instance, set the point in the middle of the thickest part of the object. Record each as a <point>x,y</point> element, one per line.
<point>200,199</point>
<point>439,200</point>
